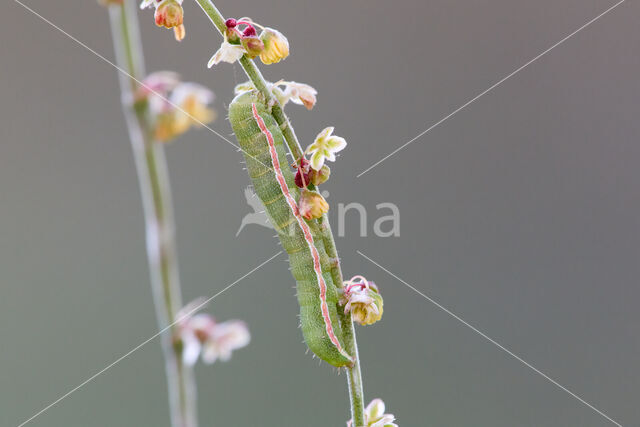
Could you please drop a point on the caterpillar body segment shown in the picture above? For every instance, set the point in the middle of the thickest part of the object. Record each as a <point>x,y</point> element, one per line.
<point>262,143</point>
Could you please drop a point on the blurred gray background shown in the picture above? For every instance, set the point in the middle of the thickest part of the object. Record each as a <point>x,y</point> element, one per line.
<point>521,214</point>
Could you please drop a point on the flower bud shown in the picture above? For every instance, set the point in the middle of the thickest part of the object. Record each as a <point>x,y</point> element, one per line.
<point>230,23</point>
<point>169,14</point>
<point>276,46</point>
<point>302,178</point>
<point>250,31</point>
<point>232,35</point>
<point>252,45</point>
<point>312,205</point>
<point>321,176</point>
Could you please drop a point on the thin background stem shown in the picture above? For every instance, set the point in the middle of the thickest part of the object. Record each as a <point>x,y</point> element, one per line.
<point>354,374</point>
<point>155,191</point>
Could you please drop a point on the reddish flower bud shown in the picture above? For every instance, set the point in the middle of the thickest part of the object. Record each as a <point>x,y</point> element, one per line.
<point>249,32</point>
<point>231,23</point>
<point>302,177</point>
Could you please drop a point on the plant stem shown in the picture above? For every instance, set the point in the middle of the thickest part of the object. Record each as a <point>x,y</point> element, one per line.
<point>155,191</point>
<point>353,373</point>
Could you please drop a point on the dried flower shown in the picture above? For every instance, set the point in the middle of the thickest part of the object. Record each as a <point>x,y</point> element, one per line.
<point>312,205</point>
<point>375,416</point>
<point>363,300</point>
<point>227,53</point>
<point>324,147</point>
<point>276,46</point>
<point>169,14</point>
<point>200,336</point>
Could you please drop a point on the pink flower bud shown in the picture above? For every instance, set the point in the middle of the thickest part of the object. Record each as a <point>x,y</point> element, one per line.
<point>231,23</point>
<point>250,31</point>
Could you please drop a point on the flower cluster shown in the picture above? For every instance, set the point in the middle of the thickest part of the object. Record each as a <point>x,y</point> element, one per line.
<point>375,416</point>
<point>241,37</point>
<point>175,106</point>
<point>200,336</point>
<point>169,14</point>
<point>362,298</point>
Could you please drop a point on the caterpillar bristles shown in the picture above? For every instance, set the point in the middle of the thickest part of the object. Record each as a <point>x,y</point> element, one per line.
<point>262,143</point>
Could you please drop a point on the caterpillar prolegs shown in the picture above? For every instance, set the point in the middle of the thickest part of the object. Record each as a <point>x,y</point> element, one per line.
<point>262,143</point>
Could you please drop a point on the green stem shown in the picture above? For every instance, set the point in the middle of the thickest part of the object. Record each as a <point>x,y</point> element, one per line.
<point>156,199</point>
<point>353,373</point>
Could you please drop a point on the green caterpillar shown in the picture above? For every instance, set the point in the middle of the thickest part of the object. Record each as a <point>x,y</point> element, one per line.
<point>261,141</point>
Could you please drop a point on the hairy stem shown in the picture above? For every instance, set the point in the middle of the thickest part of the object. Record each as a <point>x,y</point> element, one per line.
<point>155,191</point>
<point>353,373</point>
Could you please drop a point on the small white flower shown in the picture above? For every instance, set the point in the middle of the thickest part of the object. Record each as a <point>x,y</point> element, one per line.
<point>301,94</point>
<point>324,148</point>
<point>375,417</point>
<point>202,337</point>
<point>227,53</point>
<point>225,337</point>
